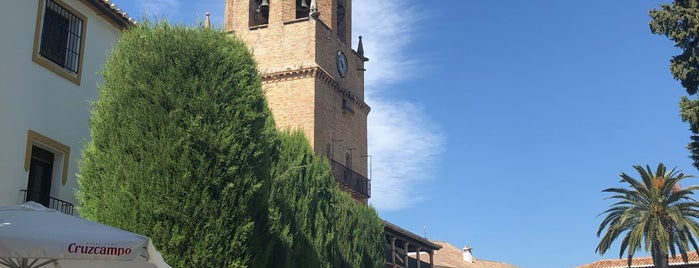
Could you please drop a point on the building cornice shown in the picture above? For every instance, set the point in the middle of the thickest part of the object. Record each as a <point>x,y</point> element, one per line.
<point>415,240</point>
<point>321,75</point>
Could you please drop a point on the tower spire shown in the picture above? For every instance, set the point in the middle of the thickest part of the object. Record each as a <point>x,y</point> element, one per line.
<point>360,49</point>
<point>314,9</point>
<point>207,22</point>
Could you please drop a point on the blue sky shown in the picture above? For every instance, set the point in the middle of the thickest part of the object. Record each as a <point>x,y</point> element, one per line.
<point>496,124</point>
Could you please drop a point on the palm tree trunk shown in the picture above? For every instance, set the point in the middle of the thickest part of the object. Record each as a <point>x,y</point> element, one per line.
<point>660,259</point>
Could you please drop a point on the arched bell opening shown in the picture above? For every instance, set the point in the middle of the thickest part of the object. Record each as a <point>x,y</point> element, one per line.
<point>259,12</point>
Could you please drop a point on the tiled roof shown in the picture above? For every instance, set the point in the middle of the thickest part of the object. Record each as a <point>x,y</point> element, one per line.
<point>451,257</point>
<point>112,12</point>
<point>642,262</point>
<point>118,10</point>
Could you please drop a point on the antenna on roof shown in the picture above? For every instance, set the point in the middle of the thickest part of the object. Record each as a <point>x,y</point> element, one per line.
<point>425,228</point>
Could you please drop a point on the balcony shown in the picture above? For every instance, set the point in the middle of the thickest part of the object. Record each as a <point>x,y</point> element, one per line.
<point>358,185</point>
<point>53,203</point>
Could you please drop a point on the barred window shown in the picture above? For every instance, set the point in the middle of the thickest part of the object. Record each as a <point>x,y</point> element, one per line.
<point>61,36</point>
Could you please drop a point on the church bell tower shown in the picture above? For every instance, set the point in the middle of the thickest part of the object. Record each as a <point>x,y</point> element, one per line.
<point>312,78</point>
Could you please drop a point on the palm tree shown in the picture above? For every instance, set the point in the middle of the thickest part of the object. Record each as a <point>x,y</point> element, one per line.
<point>655,213</point>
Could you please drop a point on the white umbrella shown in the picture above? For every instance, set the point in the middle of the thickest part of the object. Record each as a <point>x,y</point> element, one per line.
<point>33,236</point>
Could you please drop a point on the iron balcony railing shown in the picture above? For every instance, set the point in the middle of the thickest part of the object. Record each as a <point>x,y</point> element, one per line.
<point>54,203</point>
<point>358,184</point>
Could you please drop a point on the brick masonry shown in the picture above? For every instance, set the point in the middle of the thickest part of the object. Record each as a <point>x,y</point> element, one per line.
<point>297,61</point>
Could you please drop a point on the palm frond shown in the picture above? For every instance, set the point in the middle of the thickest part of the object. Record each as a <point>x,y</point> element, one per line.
<point>650,212</point>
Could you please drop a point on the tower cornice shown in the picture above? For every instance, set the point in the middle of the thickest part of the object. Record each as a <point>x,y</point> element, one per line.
<point>321,75</point>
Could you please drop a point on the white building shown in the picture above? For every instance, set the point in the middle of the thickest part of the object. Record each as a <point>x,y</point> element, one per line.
<point>51,55</point>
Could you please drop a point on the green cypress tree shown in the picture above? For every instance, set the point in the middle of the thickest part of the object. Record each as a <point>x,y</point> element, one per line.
<point>679,22</point>
<point>294,201</point>
<point>361,226</point>
<point>182,146</point>
<point>314,223</point>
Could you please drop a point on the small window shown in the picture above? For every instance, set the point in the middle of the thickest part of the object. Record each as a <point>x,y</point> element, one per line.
<point>341,15</point>
<point>259,12</point>
<point>346,108</point>
<point>59,39</point>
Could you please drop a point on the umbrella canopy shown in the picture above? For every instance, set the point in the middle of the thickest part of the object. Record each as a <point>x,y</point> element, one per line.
<point>32,236</point>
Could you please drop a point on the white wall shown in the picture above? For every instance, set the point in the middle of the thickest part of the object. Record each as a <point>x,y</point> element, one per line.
<point>33,97</point>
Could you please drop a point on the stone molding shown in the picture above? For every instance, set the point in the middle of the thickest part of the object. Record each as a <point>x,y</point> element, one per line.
<point>321,75</point>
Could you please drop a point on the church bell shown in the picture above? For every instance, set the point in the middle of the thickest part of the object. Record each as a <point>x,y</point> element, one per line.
<point>303,6</point>
<point>264,6</point>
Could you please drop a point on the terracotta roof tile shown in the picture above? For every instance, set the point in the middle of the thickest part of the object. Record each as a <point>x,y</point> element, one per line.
<point>451,257</point>
<point>118,10</point>
<point>111,12</point>
<point>642,262</point>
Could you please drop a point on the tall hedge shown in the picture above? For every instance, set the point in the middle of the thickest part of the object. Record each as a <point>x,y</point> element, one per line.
<point>316,223</point>
<point>182,144</point>
<point>184,150</point>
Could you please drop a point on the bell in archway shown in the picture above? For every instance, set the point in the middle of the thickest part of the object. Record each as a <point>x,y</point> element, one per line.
<point>264,6</point>
<point>303,6</point>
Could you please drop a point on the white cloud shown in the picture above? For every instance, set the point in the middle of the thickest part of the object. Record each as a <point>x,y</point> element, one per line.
<point>404,147</point>
<point>387,27</point>
<point>403,144</point>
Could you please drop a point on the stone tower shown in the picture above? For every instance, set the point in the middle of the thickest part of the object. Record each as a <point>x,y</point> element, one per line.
<point>312,78</point>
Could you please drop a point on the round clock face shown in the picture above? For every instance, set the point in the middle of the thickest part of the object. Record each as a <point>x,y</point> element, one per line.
<point>342,66</point>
